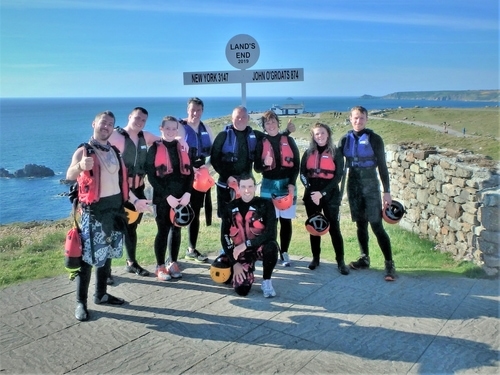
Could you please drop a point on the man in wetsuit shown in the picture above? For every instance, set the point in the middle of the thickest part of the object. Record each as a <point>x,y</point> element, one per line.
<point>133,143</point>
<point>248,234</point>
<point>364,154</point>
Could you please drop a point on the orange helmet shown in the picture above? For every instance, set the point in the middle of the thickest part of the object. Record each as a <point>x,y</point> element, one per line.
<point>202,180</point>
<point>317,224</point>
<point>393,213</point>
<point>132,214</point>
<point>283,202</point>
<point>181,216</point>
<point>220,270</point>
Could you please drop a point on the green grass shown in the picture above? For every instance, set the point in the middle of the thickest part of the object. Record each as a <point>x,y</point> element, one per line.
<point>35,250</point>
<point>43,256</point>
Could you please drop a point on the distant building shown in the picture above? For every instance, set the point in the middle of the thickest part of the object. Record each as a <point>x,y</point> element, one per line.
<point>288,109</point>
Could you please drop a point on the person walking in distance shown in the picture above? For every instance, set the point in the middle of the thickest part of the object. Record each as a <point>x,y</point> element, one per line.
<point>102,191</point>
<point>169,171</point>
<point>364,154</point>
<point>199,137</point>
<point>248,233</point>
<point>321,170</point>
<point>278,159</point>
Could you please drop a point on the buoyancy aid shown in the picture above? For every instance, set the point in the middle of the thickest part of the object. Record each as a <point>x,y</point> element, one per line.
<point>320,165</point>
<point>286,153</point>
<point>134,157</point>
<point>358,151</point>
<point>245,228</point>
<point>230,145</point>
<point>163,164</point>
<point>198,140</point>
<point>89,182</point>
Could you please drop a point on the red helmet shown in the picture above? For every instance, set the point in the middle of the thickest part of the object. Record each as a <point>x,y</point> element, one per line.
<point>202,180</point>
<point>283,202</point>
<point>393,213</point>
<point>317,224</point>
<point>181,216</point>
<point>234,190</point>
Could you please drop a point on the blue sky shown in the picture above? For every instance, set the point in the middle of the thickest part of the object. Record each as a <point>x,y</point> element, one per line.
<point>141,48</point>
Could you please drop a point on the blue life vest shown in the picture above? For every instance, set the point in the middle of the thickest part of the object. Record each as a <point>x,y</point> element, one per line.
<point>230,146</point>
<point>199,141</point>
<point>359,152</point>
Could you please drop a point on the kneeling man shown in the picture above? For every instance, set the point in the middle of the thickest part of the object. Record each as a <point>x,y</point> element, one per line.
<point>248,234</point>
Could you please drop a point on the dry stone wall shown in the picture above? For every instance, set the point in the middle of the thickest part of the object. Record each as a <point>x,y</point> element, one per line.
<point>451,198</point>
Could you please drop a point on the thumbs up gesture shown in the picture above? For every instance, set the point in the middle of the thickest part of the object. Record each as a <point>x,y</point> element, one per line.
<point>268,160</point>
<point>290,126</point>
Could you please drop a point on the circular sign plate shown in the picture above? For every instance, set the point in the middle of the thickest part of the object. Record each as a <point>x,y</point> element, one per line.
<point>242,51</point>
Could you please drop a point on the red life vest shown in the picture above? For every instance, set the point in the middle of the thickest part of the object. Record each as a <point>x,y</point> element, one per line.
<point>89,182</point>
<point>320,165</point>
<point>163,164</point>
<point>285,152</point>
<point>247,228</point>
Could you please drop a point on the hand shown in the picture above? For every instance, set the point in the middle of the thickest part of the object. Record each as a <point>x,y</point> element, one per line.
<point>387,200</point>
<point>316,197</point>
<point>172,201</point>
<point>143,205</point>
<point>186,198</point>
<point>239,250</point>
<point>291,189</point>
<point>86,164</point>
<point>268,160</point>
<point>238,273</point>
<point>290,126</point>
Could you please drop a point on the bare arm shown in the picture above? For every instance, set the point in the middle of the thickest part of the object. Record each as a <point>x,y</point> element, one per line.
<point>150,138</point>
<point>77,165</point>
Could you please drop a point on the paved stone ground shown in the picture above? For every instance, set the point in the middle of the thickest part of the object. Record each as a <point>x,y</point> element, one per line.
<point>319,323</point>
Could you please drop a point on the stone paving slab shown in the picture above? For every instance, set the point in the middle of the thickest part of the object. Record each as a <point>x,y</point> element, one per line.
<point>320,322</point>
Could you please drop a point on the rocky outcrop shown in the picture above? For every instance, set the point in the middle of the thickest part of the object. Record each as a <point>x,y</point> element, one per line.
<point>29,170</point>
<point>451,198</point>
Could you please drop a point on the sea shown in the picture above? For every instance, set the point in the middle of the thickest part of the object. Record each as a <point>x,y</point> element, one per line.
<point>46,131</point>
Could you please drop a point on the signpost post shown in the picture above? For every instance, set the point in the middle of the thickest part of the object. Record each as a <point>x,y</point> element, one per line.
<point>242,52</point>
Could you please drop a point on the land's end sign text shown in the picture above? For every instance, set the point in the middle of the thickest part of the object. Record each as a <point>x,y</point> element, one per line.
<point>244,76</point>
<point>242,51</point>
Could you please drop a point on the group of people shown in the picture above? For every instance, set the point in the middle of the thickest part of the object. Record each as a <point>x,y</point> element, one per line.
<point>112,166</point>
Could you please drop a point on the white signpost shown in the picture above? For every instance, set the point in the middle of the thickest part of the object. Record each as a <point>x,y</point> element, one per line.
<point>242,52</point>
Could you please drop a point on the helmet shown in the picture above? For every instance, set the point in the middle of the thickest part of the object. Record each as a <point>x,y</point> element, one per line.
<point>181,216</point>
<point>220,270</point>
<point>202,180</point>
<point>283,202</point>
<point>317,224</point>
<point>132,214</point>
<point>234,190</point>
<point>393,213</point>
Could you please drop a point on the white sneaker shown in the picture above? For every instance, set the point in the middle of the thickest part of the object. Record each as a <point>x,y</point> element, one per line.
<point>286,260</point>
<point>174,270</point>
<point>267,289</point>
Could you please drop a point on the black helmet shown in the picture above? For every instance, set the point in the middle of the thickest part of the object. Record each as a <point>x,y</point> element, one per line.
<point>181,216</point>
<point>393,213</point>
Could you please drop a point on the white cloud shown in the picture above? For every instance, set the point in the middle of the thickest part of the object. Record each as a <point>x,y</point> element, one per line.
<point>301,10</point>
